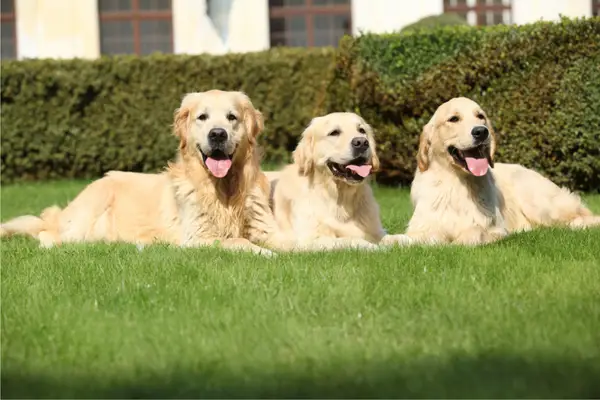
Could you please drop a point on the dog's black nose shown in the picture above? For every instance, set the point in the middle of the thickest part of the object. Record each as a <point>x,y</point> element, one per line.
<point>480,133</point>
<point>360,143</point>
<point>217,135</point>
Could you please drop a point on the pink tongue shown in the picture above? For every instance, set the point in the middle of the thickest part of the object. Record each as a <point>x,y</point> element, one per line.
<point>219,168</point>
<point>477,166</point>
<point>362,170</point>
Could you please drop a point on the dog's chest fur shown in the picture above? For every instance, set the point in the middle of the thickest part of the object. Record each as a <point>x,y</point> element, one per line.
<point>207,210</point>
<point>222,216</point>
<point>459,202</point>
<point>341,215</point>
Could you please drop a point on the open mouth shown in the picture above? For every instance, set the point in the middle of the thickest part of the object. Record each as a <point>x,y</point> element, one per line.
<point>476,160</point>
<point>218,163</point>
<point>354,171</point>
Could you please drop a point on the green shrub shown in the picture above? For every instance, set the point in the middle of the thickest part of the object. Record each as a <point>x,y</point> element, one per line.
<point>78,119</point>
<point>540,84</point>
<point>435,21</point>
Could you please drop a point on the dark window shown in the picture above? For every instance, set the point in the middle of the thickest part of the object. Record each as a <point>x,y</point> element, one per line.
<point>487,12</point>
<point>309,23</point>
<point>8,29</point>
<point>135,26</point>
<point>596,8</point>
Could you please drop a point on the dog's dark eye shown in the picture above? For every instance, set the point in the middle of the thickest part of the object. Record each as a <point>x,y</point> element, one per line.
<point>203,117</point>
<point>362,130</point>
<point>480,116</point>
<point>231,117</point>
<point>335,132</point>
<point>454,118</point>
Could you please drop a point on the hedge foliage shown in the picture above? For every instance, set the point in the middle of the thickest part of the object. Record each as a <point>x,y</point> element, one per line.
<point>540,84</point>
<point>80,118</point>
<point>436,21</point>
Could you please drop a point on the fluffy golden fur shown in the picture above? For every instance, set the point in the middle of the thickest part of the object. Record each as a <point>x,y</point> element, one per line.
<point>214,191</point>
<point>461,196</point>
<point>322,200</point>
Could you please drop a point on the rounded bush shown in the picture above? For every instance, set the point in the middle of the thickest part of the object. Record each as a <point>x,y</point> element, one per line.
<point>540,84</point>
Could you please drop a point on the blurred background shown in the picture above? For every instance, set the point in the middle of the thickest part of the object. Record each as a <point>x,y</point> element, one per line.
<point>91,28</point>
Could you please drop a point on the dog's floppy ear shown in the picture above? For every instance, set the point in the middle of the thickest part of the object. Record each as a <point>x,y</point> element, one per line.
<point>303,155</point>
<point>253,119</point>
<point>492,142</point>
<point>424,145</point>
<point>375,163</point>
<point>180,121</point>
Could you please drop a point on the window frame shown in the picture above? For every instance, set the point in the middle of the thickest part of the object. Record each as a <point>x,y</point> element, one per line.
<point>11,17</point>
<point>481,10</point>
<point>135,15</point>
<point>309,11</point>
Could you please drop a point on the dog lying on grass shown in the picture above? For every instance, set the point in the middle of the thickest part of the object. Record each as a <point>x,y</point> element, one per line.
<point>213,192</point>
<point>323,200</point>
<point>461,196</point>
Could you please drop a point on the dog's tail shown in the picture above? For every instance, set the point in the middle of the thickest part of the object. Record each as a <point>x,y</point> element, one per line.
<point>32,225</point>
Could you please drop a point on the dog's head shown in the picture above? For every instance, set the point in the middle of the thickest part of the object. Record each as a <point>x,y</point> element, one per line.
<point>340,144</point>
<point>460,135</point>
<point>217,126</point>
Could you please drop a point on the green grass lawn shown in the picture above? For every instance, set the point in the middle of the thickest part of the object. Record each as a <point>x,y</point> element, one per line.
<point>520,318</point>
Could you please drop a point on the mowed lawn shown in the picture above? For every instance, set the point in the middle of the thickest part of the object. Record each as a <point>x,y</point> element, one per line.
<point>520,318</point>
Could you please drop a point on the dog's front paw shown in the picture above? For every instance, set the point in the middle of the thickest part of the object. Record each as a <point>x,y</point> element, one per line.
<point>46,240</point>
<point>261,251</point>
<point>395,240</point>
<point>361,244</point>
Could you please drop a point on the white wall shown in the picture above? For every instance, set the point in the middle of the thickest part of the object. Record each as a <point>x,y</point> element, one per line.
<point>57,28</point>
<point>232,26</point>
<point>380,16</point>
<point>249,25</point>
<point>528,11</point>
<point>193,30</point>
<point>70,28</point>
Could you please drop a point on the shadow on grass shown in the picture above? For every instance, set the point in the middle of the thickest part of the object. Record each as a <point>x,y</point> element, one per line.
<point>490,376</point>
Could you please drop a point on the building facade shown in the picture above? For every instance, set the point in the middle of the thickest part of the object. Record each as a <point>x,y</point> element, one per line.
<point>90,28</point>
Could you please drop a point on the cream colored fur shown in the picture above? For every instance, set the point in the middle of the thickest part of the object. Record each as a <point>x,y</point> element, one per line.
<point>319,210</point>
<point>451,205</point>
<point>185,205</point>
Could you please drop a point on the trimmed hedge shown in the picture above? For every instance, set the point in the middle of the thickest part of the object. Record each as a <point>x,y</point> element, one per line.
<point>436,21</point>
<point>540,83</point>
<point>79,118</point>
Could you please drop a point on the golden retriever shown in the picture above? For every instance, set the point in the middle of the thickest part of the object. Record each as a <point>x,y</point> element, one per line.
<point>461,196</point>
<point>323,200</point>
<point>213,193</point>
